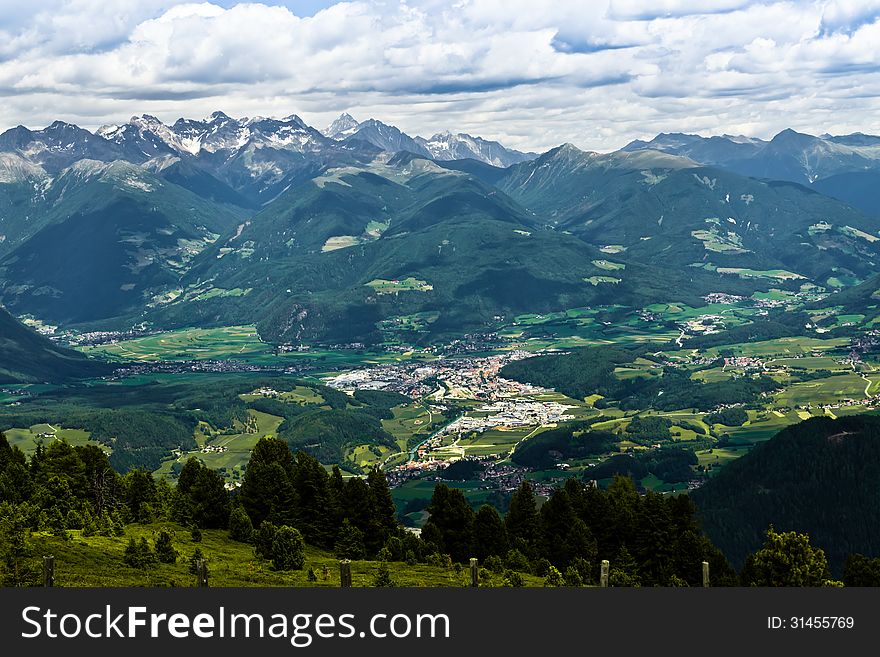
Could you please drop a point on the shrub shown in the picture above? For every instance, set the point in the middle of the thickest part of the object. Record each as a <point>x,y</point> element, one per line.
<point>138,554</point>
<point>240,527</point>
<point>383,576</point>
<point>573,577</point>
<point>513,579</point>
<point>516,560</point>
<point>164,548</point>
<point>288,549</point>
<point>554,577</point>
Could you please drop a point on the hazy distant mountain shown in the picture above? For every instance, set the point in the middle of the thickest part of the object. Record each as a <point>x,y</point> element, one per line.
<point>58,146</point>
<point>860,189</point>
<point>447,146</point>
<point>790,155</point>
<point>705,150</point>
<point>805,159</point>
<point>443,146</point>
<point>385,137</point>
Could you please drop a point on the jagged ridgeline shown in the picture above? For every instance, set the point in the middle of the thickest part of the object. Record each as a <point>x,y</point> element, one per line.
<point>821,477</point>
<point>334,236</point>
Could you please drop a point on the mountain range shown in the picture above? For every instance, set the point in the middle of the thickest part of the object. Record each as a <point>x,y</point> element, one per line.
<point>843,166</point>
<point>343,234</point>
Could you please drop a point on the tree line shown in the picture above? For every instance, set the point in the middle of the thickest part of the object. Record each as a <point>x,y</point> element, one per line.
<point>289,500</point>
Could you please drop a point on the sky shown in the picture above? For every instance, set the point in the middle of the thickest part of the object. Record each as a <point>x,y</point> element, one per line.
<point>533,75</point>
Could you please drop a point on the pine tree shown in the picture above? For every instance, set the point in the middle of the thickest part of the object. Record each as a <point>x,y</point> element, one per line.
<point>194,561</point>
<point>139,489</point>
<point>383,576</point>
<point>288,549</point>
<point>521,520</point>
<point>453,519</point>
<point>138,554</point>
<point>624,570</point>
<point>267,490</point>
<point>573,577</point>
<point>553,578</point>
<point>240,527</point>
<point>263,538</point>
<point>312,515</point>
<point>349,542</point>
<point>17,565</point>
<point>164,548</point>
<point>490,536</point>
<point>383,521</point>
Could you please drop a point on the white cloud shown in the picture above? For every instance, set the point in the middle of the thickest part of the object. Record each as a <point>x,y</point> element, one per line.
<point>597,74</point>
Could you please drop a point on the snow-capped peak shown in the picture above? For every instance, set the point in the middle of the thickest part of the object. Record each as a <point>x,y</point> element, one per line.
<point>344,126</point>
<point>448,146</point>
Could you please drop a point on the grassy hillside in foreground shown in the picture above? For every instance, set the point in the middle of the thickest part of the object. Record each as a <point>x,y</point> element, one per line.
<point>98,561</point>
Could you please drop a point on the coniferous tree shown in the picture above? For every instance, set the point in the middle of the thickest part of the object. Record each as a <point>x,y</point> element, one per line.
<point>383,576</point>
<point>490,536</point>
<point>860,570</point>
<point>17,564</point>
<point>453,518</point>
<point>521,521</point>
<point>139,495</point>
<point>194,561</point>
<point>356,503</point>
<point>288,549</point>
<point>263,537</point>
<point>349,542</point>
<point>164,548</point>
<point>312,485</point>
<point>624,570</point>
<point>240,527</point>
<point>138,554</point>
<point>209,500</point>
<point>267,490</point>
<point>654,540</point>
<point>383,521</point>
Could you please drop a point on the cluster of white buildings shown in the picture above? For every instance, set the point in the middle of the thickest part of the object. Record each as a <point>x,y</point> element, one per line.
<point>511,413</point>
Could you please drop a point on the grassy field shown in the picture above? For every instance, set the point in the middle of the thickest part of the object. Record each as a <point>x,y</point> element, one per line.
<point>381,286</point>
<point>234,448</point>
<point>188,344</point>
<point>823,391</point>
<point>27,439</point>
<point>781,347</point>
<point>98,561</point>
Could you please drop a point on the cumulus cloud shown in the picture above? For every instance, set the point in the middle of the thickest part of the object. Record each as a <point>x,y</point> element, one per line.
<point>597,74</point>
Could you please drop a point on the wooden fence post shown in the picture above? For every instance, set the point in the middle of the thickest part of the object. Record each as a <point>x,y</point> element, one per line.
<point>706,574</point>
<point>475,573</point>
<point>603,573</point>
<point>49,571</point>
<point>202,573</point>
<point>345,574</point>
